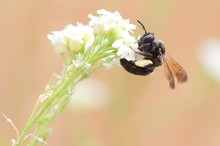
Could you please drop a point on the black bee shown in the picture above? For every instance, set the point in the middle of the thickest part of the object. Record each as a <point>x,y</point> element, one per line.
<point>154,55</point>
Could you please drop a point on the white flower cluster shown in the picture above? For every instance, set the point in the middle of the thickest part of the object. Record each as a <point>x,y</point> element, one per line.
<point>72,38</point>
<point>107,31</point>
<point>107,20</point>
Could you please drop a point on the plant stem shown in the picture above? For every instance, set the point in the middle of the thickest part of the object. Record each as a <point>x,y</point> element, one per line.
<point>58,93</point>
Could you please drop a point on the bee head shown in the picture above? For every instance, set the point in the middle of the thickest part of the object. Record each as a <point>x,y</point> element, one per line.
<point>147,38</point>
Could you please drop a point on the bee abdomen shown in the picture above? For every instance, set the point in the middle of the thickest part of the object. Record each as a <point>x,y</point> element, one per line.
<point>131,67</point>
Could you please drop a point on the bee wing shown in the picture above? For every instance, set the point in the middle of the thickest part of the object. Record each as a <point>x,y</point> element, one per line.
<point>167,72</point>
<point>177,69</point>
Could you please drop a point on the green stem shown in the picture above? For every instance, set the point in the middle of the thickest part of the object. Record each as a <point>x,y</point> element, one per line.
<point>41,129</point>
<point>57,94</point>
<point>60,91</point>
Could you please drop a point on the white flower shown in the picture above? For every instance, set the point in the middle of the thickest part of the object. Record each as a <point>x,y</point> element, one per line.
<point>107,34</point>
<point>78,35</point>
<point>209,55</point>
<point>107,20</point>
<point>57,38</point>
<point>71,38</point>
<point>125,50</point>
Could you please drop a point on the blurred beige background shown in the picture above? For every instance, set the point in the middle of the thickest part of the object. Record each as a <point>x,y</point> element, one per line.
<point>139,111</point>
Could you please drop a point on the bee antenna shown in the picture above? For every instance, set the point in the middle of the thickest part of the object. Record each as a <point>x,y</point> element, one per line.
<point>142,26</point>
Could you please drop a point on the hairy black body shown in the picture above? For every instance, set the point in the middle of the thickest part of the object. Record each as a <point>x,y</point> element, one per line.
<point>150,49</point>
<point>153,55</point>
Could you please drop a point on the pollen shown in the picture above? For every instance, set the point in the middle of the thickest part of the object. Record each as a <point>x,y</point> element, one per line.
<point>143,63</point>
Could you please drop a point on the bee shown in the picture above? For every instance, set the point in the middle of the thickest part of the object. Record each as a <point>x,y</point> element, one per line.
<point>153,54</point>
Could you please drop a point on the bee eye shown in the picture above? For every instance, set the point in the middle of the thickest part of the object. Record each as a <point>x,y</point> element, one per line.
<point>162,47</point>
<point>159,46</point>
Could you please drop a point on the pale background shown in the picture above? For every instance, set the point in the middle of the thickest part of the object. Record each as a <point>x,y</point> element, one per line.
<point>139,111</point>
